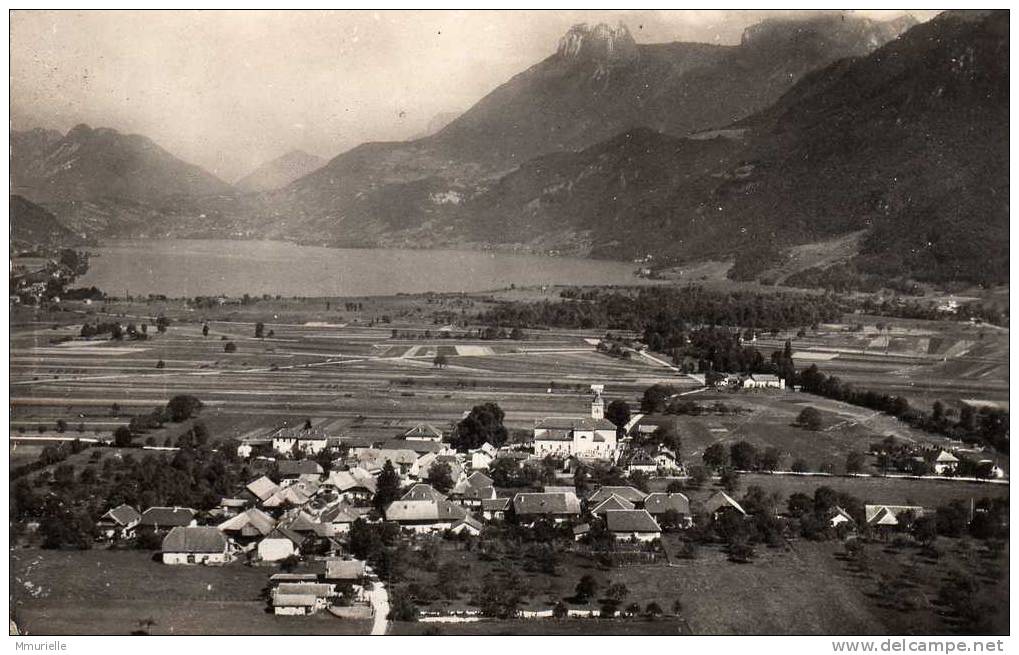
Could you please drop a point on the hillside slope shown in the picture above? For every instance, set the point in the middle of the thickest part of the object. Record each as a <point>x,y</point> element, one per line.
<point>32,226</point>
<point>279,172</point>
<point>909,143</point>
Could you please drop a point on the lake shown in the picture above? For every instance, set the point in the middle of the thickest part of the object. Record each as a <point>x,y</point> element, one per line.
<point>194,267</point>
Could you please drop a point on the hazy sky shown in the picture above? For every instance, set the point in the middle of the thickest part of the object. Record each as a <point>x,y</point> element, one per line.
<point>229,90</point>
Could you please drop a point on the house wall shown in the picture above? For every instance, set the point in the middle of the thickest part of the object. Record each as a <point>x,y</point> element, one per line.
<point>291,611</point>
<point>196,558</point>
<point>273,550</point>
<point>639,536</point>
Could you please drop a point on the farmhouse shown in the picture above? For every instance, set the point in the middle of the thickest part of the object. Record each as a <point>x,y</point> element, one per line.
<point>118,523</point>
<point>467,525</point>
<point>344,570</point>
<point>356,484</point>
<point>340,517</point>
<point>891,516</point>
<point>295,441</point>
<point>262,489</point>
<point>839,516</point>
<point>613,502</point>
<point>763,381</point>
<point>301,598</point>
<point>422,491</point>
<point>658,504</point>
<point>293,469</point>
<point>425,515</point>
<point>374,459</point>
<point>495,508</point>
<point>559,507</point>
<point>161,519</point>
<point>423,432</point>
<point>632,524</point>
<point>248,526</point>
<point>473,490</point>
<point>630,494</point>
<point>943,462</point>
<point>195,545</point>
<point>722,502</point>
<point>280,544</point>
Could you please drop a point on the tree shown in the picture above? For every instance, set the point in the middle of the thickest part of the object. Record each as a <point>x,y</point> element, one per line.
<point>259,330</point>
<point>771,459</point>
<point>483,424</point>
<point>387,487</point>
<point>440,476</point>
<point>716,456</point>
<point>937,412</point>
<point>618,411</point>
<point>743,456</point>
<point>182,407</point>
<point>560,611</point>
<point>810,418</point>
<point>799,465</point>
<point>205,330</point>
<point>653,609</point>
<point>61,425</point>
<point>160,364</point>
<point>440,361</point>
<point>655,398</point>
<point>729,479</point>
<point>617,591</point>
<point>230,347</point>
<point>162,323</point>
<point>854,462</point>
<point>586,587</point>
<point>122,437</point>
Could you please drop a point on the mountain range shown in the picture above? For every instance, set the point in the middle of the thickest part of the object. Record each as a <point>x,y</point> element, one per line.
<point>805,131</point>
<point>279,172</point>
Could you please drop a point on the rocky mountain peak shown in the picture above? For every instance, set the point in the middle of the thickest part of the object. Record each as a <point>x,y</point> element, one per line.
<point>600,43</point>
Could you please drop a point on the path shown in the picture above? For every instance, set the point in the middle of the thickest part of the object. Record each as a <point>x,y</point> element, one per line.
<point>379,599</point>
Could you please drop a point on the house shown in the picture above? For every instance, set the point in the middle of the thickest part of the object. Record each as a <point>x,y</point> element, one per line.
<point>943,463</point>
<point>293,469</point>
<point>251,446</point>
<point>423,432</point>
<point>479,460</point>
<point>195,545</point>
<point>467,525</point>
<point>306,525</point>
<point>422,468</point>
<point>581,531</point>
<point>422,491</point>
<point>495,508</point>
<point>374,459</point>
<point>763,381</point>
<point>248,526</point>
<point>568,437</point>
<point>657,504</point>
<point>301,598</point>
<point>667,461</point>
<point>344,570</point>
<point>632,524</point>
<point>295,441</point>
<point>559,507</point>
<point>280,544</point>
<point>720,503</point>
<point>355,485</point>
<point>838,516</point>
<point>635,496</point>
<point>161,519</point>
<point>425,515</point>
<point>891,516</point>
<point>471,491</point>
<point>613,502</point>
<point>340,516</point>
<point>118,523</point>
<point>419,447</point>
<point>262,489</point>
<point>640,459</point>
<point>232,506</point>
<point>296,494</point>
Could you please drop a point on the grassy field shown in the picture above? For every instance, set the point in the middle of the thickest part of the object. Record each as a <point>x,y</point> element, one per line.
<point>109,592</point>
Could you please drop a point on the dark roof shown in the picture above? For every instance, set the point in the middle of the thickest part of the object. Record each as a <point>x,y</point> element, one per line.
<point>422,491</point>
<point>296,467</point>
<point>630,520</point>
<point>495,504</point>
<point>419,447</point>
<point>194,540</point>
<point>659,503</point>
<point>610,503</point>
<point>626,493</point>
<point>121,515</point>
<point>167,517</point>
<point>539,504</point>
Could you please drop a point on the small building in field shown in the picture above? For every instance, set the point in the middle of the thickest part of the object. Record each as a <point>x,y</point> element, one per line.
<point>118,523</point>
<point>720,503</point>
<point>892,516</point>
<point>763,381</point>
<point>943,462</point>
<point>636,524</point>
<point>423,432</point>
<point>838,516</point>
<point>195,545</point>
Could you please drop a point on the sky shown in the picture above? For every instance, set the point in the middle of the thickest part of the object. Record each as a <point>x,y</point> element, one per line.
<point>230,90</point>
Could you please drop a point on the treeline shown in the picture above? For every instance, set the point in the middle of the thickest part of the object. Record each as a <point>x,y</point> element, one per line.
<point>665,310</point>
<point>986,426</point>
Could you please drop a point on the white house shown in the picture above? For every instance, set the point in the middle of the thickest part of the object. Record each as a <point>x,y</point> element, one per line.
<point>763,381</point>
<point>425,515</point>
<point>945,463</point>
<point>195,545</point>
<point>294,440</point>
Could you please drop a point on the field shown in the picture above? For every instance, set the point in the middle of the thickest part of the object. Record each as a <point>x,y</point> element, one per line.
<point>109,592</point>
<point>576,627</point>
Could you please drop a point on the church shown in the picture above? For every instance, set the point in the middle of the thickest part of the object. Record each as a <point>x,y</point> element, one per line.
<point>593,436</point>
